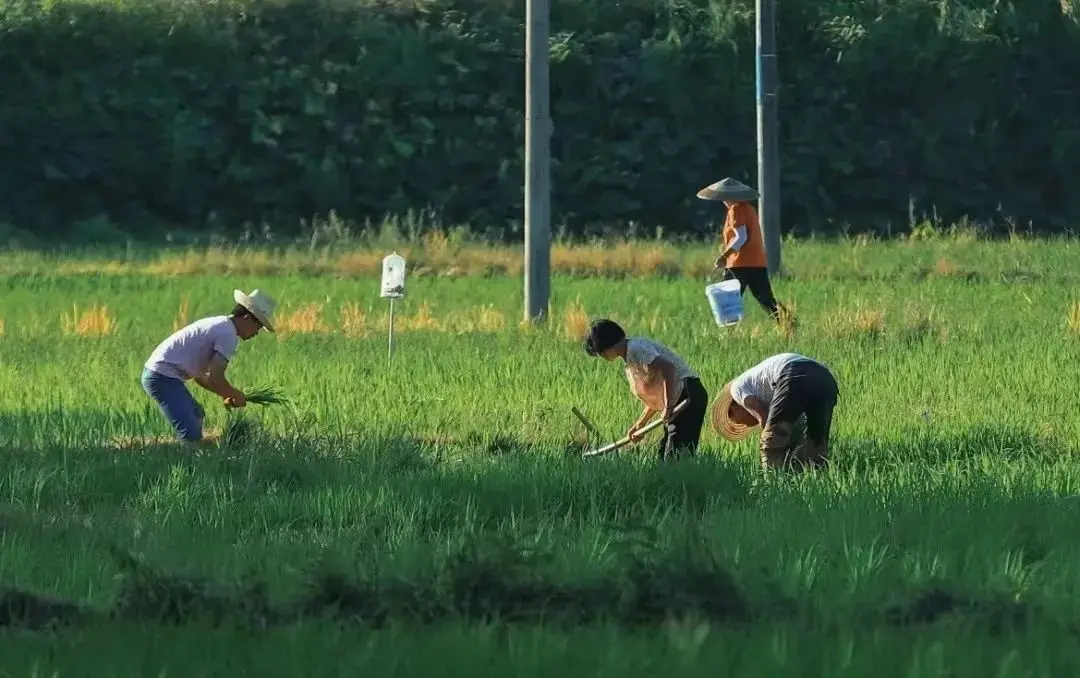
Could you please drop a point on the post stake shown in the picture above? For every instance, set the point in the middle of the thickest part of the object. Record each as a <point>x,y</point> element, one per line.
<point>537,162</point>
<point>392,287</point>
<point>768,131</point>
<point>390,337</point>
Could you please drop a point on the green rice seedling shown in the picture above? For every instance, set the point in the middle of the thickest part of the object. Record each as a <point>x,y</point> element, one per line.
<point>239,431</point>
<point>266,396</point>
<point>435,486</point>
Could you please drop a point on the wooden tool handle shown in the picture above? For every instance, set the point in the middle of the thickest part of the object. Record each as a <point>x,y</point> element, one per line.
<point>589,426</point>
<point>625,440</point>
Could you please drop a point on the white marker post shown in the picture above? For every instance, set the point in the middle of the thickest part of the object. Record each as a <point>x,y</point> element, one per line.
<point>393,287</point>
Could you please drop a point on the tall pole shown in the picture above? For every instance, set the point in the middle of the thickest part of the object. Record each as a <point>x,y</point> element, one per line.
<point>537,162</point>
<point>390,334</point>
<point>768,135</point>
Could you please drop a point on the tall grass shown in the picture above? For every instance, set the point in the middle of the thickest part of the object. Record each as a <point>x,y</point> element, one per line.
<point>440,496</point>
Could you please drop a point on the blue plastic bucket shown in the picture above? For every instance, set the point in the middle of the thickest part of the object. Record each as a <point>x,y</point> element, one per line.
<point>725,301</point>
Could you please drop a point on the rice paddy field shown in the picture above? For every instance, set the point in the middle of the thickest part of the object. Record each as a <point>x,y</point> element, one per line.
<point>431,515</point>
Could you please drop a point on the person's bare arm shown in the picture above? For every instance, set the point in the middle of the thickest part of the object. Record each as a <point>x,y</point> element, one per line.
<point>641,421</point>
<point>665,370</point>
<point>214,381</point>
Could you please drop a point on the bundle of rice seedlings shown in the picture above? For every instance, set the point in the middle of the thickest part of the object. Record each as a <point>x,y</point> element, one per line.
<point>266,396</point>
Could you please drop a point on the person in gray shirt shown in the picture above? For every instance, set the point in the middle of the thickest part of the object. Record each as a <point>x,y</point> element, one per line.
<point>775,394</point>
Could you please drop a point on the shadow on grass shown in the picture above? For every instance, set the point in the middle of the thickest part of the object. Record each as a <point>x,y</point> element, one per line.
<point>496,580</point>
<point>506,478</point>
<point>925,445</point>
<point>495,478</point>
<point>490,575</point>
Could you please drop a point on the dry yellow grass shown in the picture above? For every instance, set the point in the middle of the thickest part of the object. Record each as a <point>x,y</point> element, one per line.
<point>182,318</point>
<point>575,320</point>
<point>306,319</point>
<point>96,321</point>
<point>353,321</point>
<point>33,327</point>
<point>787,325</point>
<point>624,258</point>
<point>129,443</point>
<point>568,322</point>
<point>437,253</point>
<point>490,320</point>
<point>1072,321</point>
<point>422,320</point>
<point>944,267</point>
<point>436,244</point>
<point>868,323</point>
<point>434,254</point>
<point>221,261</point>
<point>358,264</point>
<point>656,322</point>
<point>920,324</point>
<point>526,327</point>
<point>481,319</point>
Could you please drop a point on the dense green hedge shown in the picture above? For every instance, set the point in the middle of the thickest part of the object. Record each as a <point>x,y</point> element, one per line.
<point>198,111</point>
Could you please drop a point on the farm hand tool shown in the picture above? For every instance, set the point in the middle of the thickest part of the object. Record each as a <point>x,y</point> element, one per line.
<point>626,440</point>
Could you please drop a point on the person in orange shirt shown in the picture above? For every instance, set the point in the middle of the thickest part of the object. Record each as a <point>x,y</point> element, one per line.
<point>743,255</point>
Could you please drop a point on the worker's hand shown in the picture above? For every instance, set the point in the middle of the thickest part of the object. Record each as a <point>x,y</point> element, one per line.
<point>237,400</point>
<point>634,434</point>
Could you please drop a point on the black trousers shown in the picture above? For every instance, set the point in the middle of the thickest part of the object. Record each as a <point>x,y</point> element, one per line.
<point>803,387</point>
<point>757,280</point>
<point>682,435</point>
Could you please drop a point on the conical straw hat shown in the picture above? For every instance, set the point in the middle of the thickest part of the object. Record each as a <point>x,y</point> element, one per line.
<point>728,189</point>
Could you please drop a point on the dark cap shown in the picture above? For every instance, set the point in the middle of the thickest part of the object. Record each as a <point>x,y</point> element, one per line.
<point>603,334</point>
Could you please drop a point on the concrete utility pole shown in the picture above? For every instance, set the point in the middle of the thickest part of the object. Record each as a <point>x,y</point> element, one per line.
<point>768,133</point>
<point>537,162</point>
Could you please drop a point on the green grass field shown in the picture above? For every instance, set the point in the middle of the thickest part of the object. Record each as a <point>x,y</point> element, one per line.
<point>431,516</point>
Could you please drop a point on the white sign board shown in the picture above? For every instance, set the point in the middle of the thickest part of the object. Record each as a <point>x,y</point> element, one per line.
<point>393,276</point>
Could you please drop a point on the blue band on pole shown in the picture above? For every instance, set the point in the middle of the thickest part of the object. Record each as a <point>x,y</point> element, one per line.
<point>758,84</point>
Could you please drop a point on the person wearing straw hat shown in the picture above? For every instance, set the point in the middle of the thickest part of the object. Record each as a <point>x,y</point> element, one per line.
<point>743,253</point>
<point>660,379</point>
<point>201,352</point>
<point>775,394</point>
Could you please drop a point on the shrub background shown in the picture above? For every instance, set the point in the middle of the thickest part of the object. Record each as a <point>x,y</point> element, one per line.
<point>213,114</point>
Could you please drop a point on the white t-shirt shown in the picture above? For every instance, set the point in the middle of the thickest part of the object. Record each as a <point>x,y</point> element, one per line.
<point>188,351</point>
<point>640,353</point>
<point>760,380</point>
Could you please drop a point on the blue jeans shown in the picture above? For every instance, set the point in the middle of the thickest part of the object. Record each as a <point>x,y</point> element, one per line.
<point>176,403</point>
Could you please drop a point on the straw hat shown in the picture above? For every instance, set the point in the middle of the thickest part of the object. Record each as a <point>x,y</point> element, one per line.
<point>728,189</point>
<point>721,419</point>
<point>260,304</point>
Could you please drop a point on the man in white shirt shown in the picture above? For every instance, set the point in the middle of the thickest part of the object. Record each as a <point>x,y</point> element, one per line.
<point>661,380</point>
<point>773,394</point>
<point>201,352</point>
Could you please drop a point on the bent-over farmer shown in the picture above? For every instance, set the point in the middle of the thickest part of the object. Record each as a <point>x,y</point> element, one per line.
<point>201,352</point>
<point>743,253</point>
<point>661,380</point>
<point>773,394</point>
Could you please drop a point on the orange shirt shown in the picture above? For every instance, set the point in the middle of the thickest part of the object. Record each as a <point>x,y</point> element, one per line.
<point>752,253</point>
